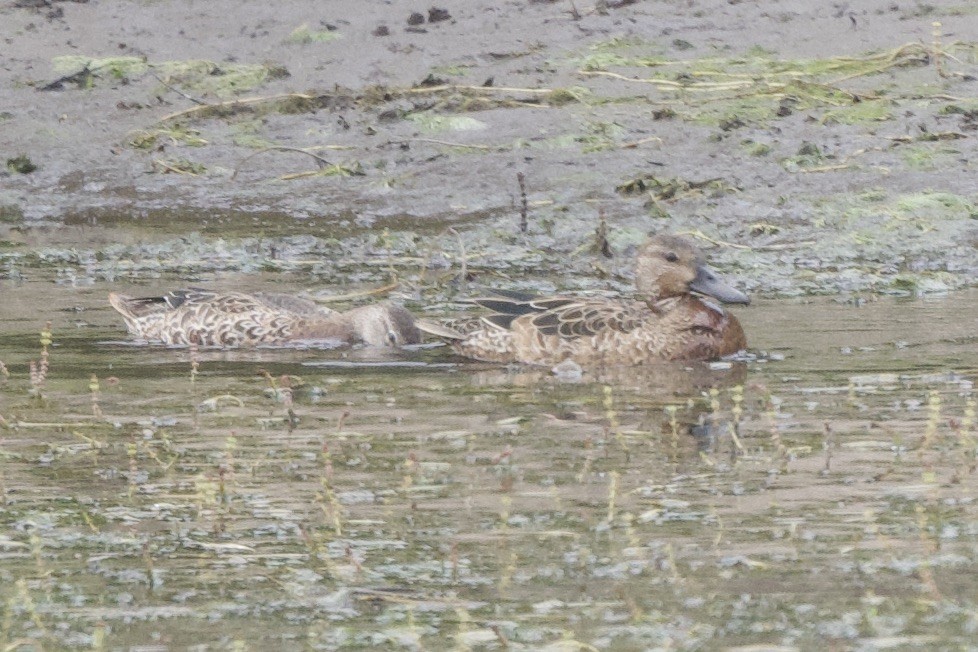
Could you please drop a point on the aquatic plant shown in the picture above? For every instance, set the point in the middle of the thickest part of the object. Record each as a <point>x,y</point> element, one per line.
<point>95,389</point>
<point>39,370</point>
<point>326,498</point>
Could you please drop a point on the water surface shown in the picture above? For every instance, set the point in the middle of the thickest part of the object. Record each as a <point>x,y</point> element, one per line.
<point>274,499</point>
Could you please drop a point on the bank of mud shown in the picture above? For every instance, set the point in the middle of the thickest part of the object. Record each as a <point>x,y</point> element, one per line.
<point>815,150</point>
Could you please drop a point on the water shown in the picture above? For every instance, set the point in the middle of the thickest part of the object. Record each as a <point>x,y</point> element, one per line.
<point>414,501</point>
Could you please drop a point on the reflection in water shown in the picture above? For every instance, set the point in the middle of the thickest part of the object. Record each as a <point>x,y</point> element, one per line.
<point>362,499</point>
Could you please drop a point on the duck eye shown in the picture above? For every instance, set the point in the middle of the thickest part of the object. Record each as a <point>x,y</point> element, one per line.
<point>671,257</point>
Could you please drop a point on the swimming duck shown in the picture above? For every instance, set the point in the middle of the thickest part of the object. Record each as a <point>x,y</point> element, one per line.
<point>670,321</point>
<point>237,319</point>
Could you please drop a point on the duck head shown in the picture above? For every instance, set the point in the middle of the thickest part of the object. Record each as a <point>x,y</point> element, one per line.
<point>384,324</point>
<point>671,266</point>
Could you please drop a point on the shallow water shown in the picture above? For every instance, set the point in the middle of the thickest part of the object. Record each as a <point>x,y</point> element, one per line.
<point>273,499</point>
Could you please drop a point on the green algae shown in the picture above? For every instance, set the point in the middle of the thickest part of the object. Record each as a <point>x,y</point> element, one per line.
<point>193,75</point>
<point>924,157</point>
<point>175,134</point>
<point>304,35</point>
<point>751,88</point>
<point>757,62</point>
<point>864,111</point>
<point>435,123</point>
<point>755,148</point>
<point>21,164</point>
<point>452,70</point>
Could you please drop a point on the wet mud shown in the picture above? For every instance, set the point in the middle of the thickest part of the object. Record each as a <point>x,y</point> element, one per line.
<point>820,148</point>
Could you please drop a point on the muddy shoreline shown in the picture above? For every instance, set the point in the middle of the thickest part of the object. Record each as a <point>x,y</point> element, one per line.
<point>820,149</point>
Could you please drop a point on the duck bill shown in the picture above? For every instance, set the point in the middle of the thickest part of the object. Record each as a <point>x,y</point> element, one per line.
<point>708,283</point>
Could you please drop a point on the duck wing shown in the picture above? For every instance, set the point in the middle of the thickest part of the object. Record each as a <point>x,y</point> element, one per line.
<point>140,307</point>
<point>296,305</point>
<point>586,318</point>
<point>516,304</point>
<point>565,316</point>
<point>228,303</point>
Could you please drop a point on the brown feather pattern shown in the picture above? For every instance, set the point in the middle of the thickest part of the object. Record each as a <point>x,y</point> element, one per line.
<point>211,318</point>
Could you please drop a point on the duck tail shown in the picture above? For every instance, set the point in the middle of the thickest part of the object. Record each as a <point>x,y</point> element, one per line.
<point>125,305</point>
<point>121,302</point>
<point>134,309</point>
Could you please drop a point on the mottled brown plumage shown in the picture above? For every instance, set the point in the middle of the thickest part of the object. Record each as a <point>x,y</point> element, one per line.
<point>236,319</point>
<point>668,323</point>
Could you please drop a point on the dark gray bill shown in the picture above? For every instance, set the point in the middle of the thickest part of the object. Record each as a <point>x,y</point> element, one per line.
<point>707,282</point>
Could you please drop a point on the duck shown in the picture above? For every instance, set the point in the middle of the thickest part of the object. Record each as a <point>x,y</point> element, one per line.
<point>674,317</point>
<point>237,319</point>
